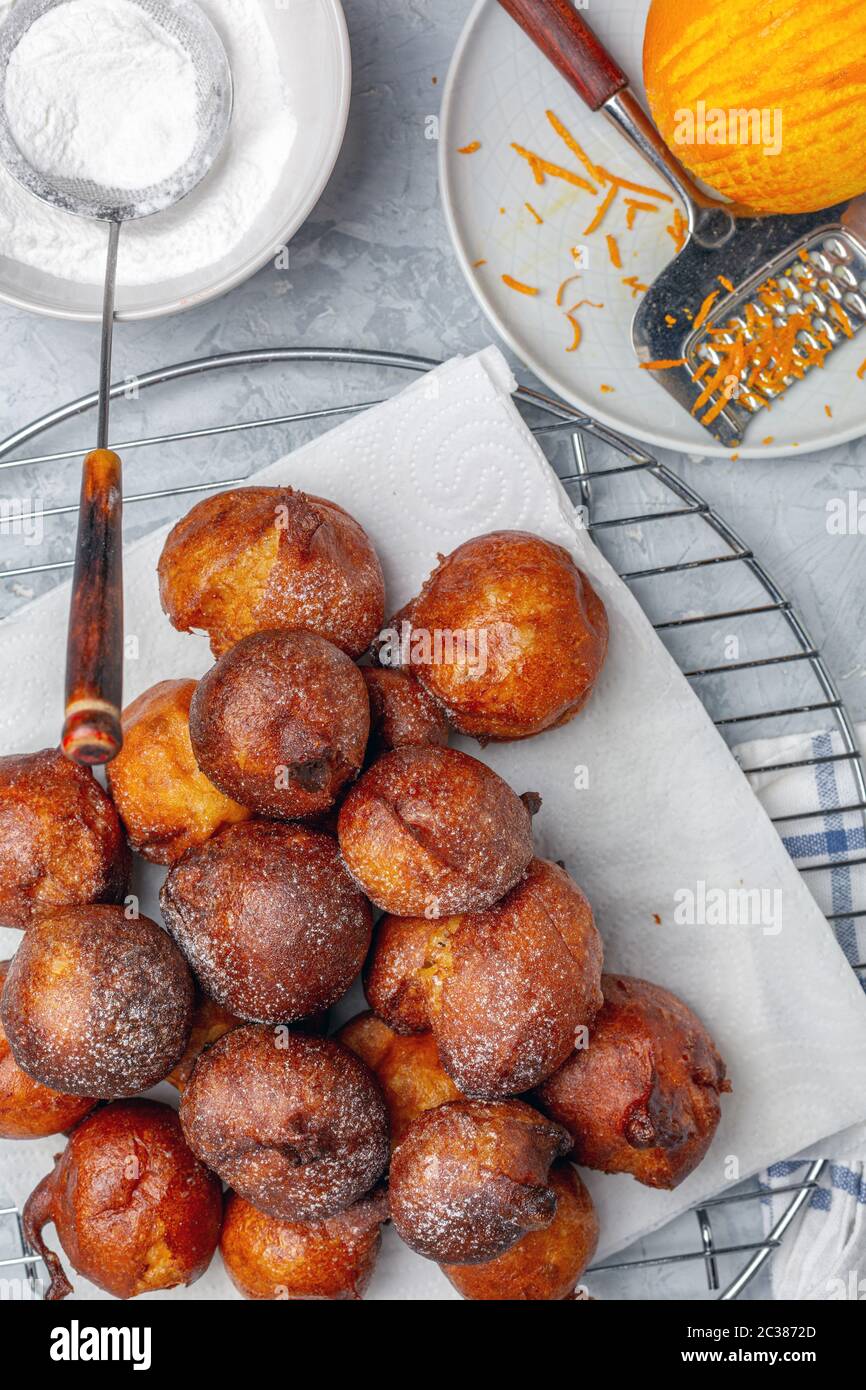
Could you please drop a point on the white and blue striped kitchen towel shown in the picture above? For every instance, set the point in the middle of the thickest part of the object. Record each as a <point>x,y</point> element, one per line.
<point>824,1255</point>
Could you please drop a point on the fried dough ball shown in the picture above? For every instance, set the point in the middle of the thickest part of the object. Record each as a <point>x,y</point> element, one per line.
<point>643,1098</point>
<point>545,1266</point>
<point>393,982</point>
<point>61,841</point>
<point>471,1178</point>
<point>165,801</point>
<point>402,714</point>
<point>29,1110</point>
<point>509,989</point>
<point>281,723</point>
<point>533,636</point>
<point>259,558</point>
<point>330,1259</point>
<point>296,1125</point>
<point>96,1004</point>
<point>407,1068</point>
<point>429,831</point>
<point>133,1208</point>
<point>270,922</point>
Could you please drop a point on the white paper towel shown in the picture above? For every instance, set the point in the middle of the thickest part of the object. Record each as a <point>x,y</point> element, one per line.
<point>665,810</point>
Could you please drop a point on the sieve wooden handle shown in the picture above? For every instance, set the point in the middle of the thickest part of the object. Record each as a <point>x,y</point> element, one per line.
<point>94,653</point>
<point>567,40</point>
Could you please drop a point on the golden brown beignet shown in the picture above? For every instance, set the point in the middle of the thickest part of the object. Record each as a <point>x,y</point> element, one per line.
<point>430,831</point>
<point>643,1098</point>
<point>271,923</point>
<point>97,1004</point>
<point>259,558</point>
<point>134,1210</point>
<point>61,841</point>
<point>471,1178</point>
<point>281,723</point>
<point>296,1125</point>
<point>528,636</point>
<point>330,1259</point>
<point>165,801</point>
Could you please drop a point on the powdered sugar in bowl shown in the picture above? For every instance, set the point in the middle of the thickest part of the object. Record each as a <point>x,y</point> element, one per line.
<point>291,79</point>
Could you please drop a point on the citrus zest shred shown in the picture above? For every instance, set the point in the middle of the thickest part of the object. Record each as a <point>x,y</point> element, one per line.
<point>605,176</point>
<point>861,370</point>
<point>634,207</point>
<point>605,387</point>
<point>635,285</point>
<point>670,320</point>
<point>600,212</point>
<point>518,285</point>
<point>769,440</point>
<point>725,283</point>
<point>566,136</point>
<point>591,303</point>
<point>828,411</point>
<point>537,215</point>
<point>560,293</point>
<point>662,364</point>
<point>476,264</point>
<point>471,148</point>
<point>842,318</point>
<point>613,252</point>
<point>578,332</point>
<point>734,458</point>
<point>541,168</point>
<point>704,311</point>
<point>677,229</point>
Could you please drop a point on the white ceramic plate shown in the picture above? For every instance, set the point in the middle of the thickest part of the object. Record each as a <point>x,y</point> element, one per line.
<point>498,90</point>
<point>315,60</point>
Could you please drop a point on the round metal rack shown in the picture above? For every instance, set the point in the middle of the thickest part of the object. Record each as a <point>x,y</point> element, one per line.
<point>699,584</point>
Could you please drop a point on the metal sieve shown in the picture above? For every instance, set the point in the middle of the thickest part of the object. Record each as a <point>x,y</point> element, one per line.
<point>94,658</point>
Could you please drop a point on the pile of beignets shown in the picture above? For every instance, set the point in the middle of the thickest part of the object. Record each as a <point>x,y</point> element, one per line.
<point>301,788</point>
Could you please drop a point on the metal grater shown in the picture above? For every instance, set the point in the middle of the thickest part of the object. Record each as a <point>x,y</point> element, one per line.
<point>761,250</point>
<point>726,245</point>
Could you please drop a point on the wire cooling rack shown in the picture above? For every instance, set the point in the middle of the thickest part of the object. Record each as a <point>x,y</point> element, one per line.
<point>733,632</point>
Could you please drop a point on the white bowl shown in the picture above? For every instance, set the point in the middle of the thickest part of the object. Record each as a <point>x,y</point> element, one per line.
<point>315,59</point>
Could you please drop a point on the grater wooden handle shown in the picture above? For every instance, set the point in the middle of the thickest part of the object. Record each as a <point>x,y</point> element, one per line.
<point>567,40</point>
<point>94,653</point>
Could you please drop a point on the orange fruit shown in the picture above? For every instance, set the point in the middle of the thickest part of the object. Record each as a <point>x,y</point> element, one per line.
<point>781,87</point>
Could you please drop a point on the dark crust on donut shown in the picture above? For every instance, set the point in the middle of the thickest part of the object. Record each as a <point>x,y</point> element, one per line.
<point>259,558</point>
<point>96,1004</point>
<point>470,1179</point>
<point>544,1266</point>
<point>402,714</point>
<point>61,841</point>
<point>281,723</point>
<point>545,634</point>
<point>643,1098</point>
<point>134,1209</point>
<point>270,922</point>
<point>296,1125</point>
<point>431,831</point>
<point>331,1259</point>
